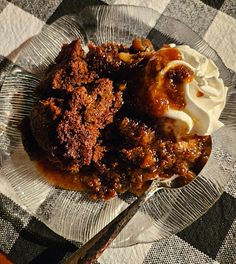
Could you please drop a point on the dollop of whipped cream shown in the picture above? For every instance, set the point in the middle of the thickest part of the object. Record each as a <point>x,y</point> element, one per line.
<point>205,95</point>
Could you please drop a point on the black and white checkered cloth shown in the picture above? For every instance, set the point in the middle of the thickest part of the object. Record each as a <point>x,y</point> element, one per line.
<point>210,239</point>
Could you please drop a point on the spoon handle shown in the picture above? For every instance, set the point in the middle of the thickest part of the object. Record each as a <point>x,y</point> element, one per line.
<point>91,251</point>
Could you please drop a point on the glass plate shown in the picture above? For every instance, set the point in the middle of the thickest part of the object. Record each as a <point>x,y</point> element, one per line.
<point>69,213</point>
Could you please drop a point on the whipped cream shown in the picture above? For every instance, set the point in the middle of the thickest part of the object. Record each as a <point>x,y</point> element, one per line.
<point>205,95</point>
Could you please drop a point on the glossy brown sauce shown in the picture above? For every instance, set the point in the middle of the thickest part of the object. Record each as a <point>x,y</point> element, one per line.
<point>166,90</point>
<point>159,60</point>
<point>174,83</point>
<point>200,94</point>
<point>69,181</point>
<point>58,177</point>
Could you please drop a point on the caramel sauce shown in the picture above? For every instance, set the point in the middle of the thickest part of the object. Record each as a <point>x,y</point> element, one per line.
<point>174,83</point>
<point>59,178</point>
<point>69,181</point>
<point>164,91</point>
<point>168,54</point>
<point>200,94</point>
<point>159,60</point>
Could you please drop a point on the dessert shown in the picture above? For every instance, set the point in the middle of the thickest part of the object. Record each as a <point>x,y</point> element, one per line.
<point>118,117</point>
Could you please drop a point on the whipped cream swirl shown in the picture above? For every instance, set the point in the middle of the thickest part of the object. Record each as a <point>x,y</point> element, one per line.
<point>205,96</point>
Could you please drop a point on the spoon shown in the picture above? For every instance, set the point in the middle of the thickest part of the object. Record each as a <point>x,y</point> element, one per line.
<point>93,249</point>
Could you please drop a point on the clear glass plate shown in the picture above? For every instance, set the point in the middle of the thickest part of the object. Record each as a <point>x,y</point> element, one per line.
<point>69,213</point>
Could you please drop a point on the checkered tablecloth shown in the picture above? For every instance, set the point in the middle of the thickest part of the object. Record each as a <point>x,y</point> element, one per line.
<point>210,239</point>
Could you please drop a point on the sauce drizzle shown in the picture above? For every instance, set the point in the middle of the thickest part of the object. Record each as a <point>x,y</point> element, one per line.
<point>58,177</point>
<point>165,91</point>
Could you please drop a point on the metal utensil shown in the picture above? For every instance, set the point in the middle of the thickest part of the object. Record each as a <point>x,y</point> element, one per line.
<point>92,250</point>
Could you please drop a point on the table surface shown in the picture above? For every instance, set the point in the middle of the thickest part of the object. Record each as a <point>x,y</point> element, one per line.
<point>210,239</point>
